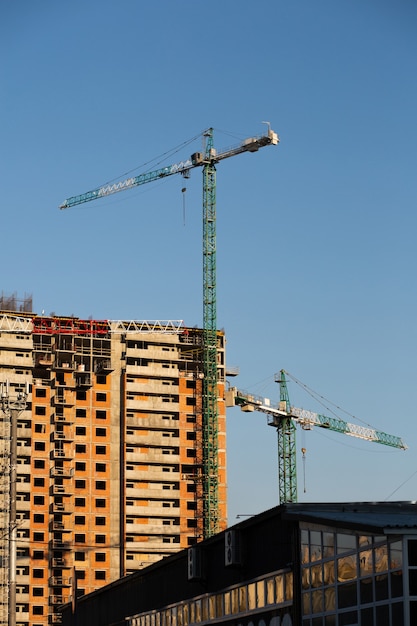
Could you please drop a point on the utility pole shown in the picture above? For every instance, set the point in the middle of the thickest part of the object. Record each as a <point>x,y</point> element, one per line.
<point>12,407</point>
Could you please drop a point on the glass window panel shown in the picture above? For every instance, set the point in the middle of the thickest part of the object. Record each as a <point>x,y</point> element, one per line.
<point>204,609</point>
<point>227,605</point>
<point>317,601</point>
<point>197,608</point>
<point>413,612</point>
<point>367,617</point>
<point>288,586</point>
<point>381,539</point>
<point>270,591</point>
<point>306,603</point>
<point>252,596</point>
<point>396,555</point>
<point>219,604</point>
<point>315,545</point>
<point>330,620</point>
<point>235,600</point>
<point>381,558</point>
<point>364,540</point>
<point>330,598</point>
<point>365,562</point>
<point>382,615</point>
<point>304,546</point>
<point>346,568</point>
<point>305,577</point>
<point>397,613</point>
<point>317,621</point>
<point>396,584</point>
<point>366,591</point>
<point>381,587</point>
<point>348,619</point>
<point>242,599</point>
<point>412,581</point>
<point>316,576</point>
<point>260,592</point>
<point>212,607</point>
<point>328,544</point>
<point>345,543</point>
<point>328,572</point>
<point>412,552</point>
<point>346,595</point>
<point>279,589</point>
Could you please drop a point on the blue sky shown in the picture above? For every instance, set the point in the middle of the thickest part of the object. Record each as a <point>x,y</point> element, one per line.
<point>316,237</point>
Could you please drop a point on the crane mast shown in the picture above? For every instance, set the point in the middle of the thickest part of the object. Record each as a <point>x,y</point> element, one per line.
<point>210,387</point>
<point>284,418</point>
<point>206,160</point>
<point>286,435</point>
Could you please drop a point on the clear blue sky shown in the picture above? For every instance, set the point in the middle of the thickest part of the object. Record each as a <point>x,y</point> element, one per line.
<point>316,237</point>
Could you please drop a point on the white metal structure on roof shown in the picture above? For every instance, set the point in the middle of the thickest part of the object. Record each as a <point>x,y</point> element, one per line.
<point>18,324</point>
<point>146,326</point>
<point>15,323</point>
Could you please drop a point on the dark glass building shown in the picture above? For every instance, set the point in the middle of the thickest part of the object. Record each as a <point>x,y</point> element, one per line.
<point>343,564</point>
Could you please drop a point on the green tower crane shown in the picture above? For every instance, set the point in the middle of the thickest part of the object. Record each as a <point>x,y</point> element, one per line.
<point>284,418</point>
<point>207,160</point>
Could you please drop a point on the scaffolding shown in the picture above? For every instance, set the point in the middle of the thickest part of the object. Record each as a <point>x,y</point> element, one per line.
<point>15,304</point>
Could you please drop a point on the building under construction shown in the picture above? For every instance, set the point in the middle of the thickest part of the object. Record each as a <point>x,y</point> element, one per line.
<point>106,474</point>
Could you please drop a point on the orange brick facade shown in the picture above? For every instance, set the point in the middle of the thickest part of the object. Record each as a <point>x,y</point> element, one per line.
<point>109,456</point>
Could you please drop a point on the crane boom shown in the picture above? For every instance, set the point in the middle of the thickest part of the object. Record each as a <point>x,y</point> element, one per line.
<point>283,417</point>
<point>306,419</point>
<point>198,159</point>
<point>207,160</point>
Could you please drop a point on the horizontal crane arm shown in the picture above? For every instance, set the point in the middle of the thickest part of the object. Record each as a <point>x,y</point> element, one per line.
<point>252,144</point>
<point>307,419</point>
<point>249,402</point>
<point>135,181</point>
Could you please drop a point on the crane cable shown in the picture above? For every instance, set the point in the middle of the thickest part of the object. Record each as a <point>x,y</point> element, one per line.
<point>183,190</point>
<point>321,400</point>
<point>399,486</point>
<point>155,161</point>
<point>303,451</point>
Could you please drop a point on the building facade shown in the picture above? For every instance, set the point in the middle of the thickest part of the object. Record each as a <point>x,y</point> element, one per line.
<point>108,453</point>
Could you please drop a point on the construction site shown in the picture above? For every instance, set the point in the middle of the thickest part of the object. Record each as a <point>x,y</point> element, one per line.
<point>113,433</point>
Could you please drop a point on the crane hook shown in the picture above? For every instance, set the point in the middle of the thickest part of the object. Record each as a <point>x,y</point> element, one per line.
<point>183,190</point>
<point>304,450</point>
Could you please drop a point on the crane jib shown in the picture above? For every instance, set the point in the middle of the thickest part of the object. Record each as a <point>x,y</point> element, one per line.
<point>251,144</point>
<point>177,168</point>
<point>134,181</point>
